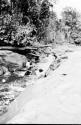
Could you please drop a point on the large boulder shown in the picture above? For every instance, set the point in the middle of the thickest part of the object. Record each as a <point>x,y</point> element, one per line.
<point>12,60</point>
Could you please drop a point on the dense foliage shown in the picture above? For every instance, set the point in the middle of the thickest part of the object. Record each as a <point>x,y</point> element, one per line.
<point>24,12</point>
<point>71,25</point>
<point>35,15</point>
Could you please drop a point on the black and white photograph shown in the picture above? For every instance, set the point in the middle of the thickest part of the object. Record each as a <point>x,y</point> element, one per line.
<point>40,61</point>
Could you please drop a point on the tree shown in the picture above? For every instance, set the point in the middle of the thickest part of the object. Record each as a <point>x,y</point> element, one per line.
<point>43,20</point>
<point>4,7</point>
<point>70,16</point>
<point>52,27</point>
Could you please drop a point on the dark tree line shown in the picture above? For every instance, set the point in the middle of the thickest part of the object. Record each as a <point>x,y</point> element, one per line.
<point>23,11</point>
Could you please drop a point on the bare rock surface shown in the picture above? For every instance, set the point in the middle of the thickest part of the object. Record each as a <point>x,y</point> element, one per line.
<point>55,99</point>
<point>9,57</point>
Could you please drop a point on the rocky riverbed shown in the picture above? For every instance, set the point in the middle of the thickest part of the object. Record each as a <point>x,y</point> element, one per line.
<point>55,99</point>
<point>17,72</point>
<point>10,63</point>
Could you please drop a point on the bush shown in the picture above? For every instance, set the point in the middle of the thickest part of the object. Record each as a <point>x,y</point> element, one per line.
<point>76,36</point>
<point>22,37</point>
<point>70,16</point>
<point>77,41</point>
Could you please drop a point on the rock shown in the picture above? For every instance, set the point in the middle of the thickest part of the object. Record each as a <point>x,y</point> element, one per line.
<point>20,73</point>
<point>28,64</point>
<point>6,72</point>
<point>13,60</point>
<point>3,80</point>
<point>1,71</point>
<point>44,65</point>
<point>16,88</point>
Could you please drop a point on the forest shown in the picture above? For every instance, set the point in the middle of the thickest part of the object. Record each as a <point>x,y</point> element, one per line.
<point>23,22</point>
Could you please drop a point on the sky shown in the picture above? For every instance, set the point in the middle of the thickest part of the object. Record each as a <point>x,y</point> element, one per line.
<point>66,3</point>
